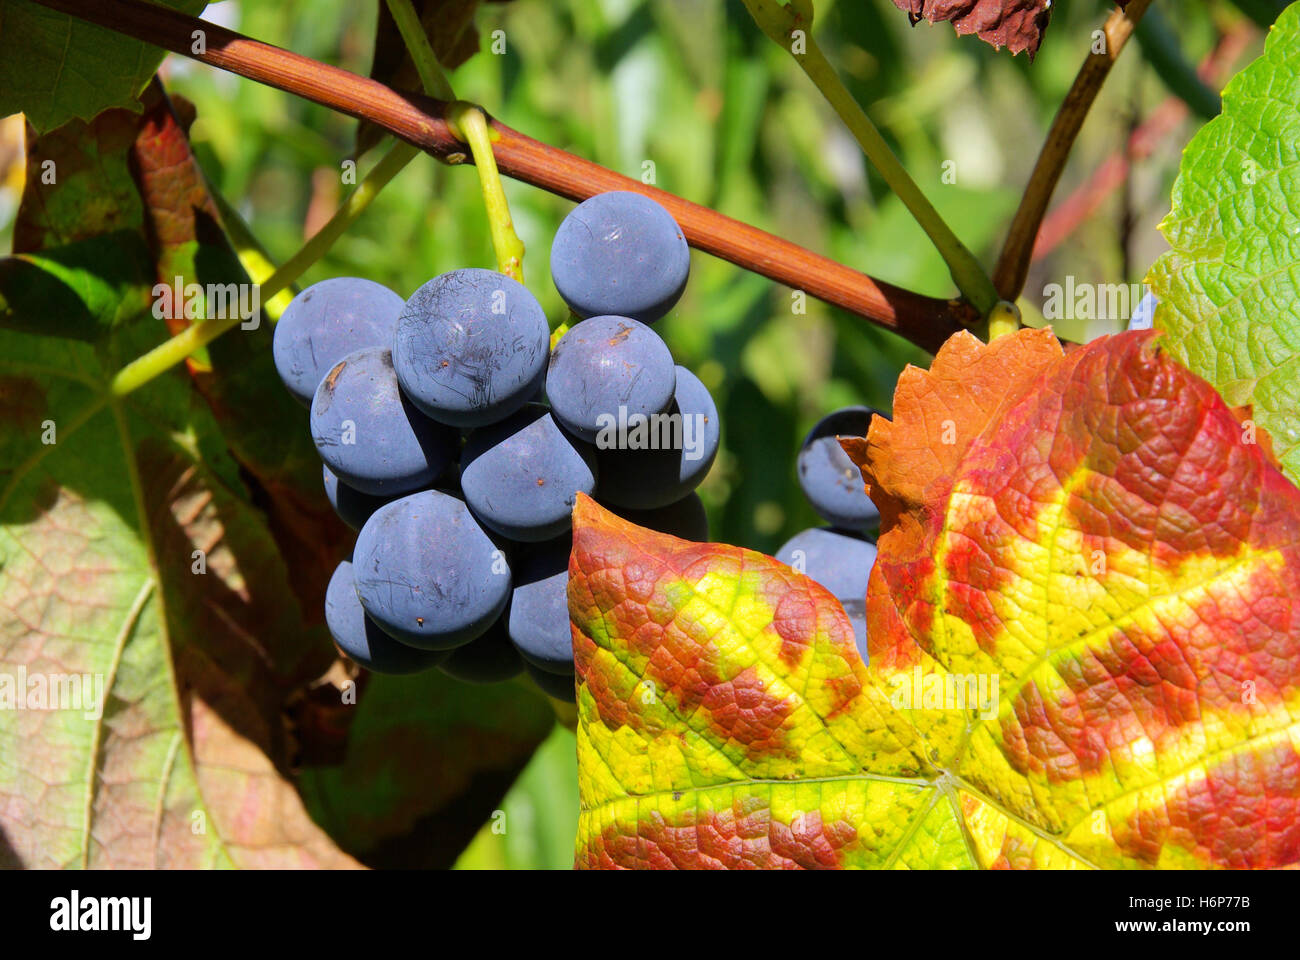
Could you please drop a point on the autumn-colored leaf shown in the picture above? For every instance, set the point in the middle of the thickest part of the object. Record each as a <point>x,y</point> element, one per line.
<point>1084,633</point>
<point>140,584</point>
<point>723,715</point>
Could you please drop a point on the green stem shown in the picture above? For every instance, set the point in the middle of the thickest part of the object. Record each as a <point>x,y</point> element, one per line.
<point>408,23</point>
<point>472,126</point>
<point>252,255</point>
<point>275,281</point>
<point>780,22</point>
<point>171,352</point>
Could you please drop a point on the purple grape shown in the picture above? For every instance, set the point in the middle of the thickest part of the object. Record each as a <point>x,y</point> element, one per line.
<point>370,436</point>
<point>539,607</point>
<point>360,638</point>
<point>830,480</point>
<point>608,370</point>
<point>471,347</point>
<point>521,476</point>
<point>620,253</point>
<point>489,659</point>
<point>559,686</point>
<point>687,437</point>
<point>325,323</point>
<point>428,574</point>
<point>686,519</point>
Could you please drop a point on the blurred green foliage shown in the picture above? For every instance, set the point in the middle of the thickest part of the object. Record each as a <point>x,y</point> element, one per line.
<point>691,90</point>
<point>534,829</point>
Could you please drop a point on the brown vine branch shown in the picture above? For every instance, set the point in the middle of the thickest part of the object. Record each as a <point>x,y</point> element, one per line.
<point>925,321</point>
<point>1017,251</point>
<point>1065,218</point>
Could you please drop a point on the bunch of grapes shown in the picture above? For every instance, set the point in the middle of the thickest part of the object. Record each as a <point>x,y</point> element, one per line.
<point>839,556</point>
<point>455,437</point>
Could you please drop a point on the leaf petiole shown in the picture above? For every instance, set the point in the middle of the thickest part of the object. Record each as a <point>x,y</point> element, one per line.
<point>791,27</point>
<point>171,352</point>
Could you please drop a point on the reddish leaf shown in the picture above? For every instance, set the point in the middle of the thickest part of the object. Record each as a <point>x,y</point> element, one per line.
<point>1017,25</point>
<point>1084,629</point>
<point>1110,542</point>
<point>724,713</point>
<point>136,577</point>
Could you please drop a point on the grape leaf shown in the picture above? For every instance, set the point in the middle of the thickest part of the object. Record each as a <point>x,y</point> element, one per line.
<point>197,655</point>
<point>427,758</point>
<point>1230,288</point>
<point>192,653</point>
<point>128,207</point>
<point>54,67</point>
<point>81,265</point>
<point>1084,641</point>
<point>266,428</point>
<point>724,715</point>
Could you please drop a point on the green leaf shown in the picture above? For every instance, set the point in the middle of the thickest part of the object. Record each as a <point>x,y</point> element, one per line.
<point>109,208</point>
<point>1230,287</point>
<point>54,67</point>
<point>428,757</point>
<point>192,655</point>
<point>78,290</point>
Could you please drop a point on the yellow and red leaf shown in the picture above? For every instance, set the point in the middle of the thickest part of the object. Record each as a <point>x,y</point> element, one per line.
<point>1084,638</point>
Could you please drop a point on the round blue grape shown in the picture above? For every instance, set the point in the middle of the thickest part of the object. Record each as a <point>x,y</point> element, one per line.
<point>685,519</point>
<point>620,253</point>
<point>325,323</point>
<point>428,574</point>
<point>687,438</point>
<point>539,607</point>
<point>491,658</point>
<point>361,639</point>
<point>370,435</point>
<point>471,347</point>
<point>841,562</point>
<point>830,480</point>
<point>608,370</point>
<point>521,476</point>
